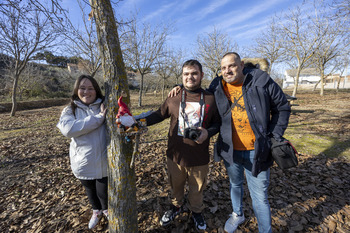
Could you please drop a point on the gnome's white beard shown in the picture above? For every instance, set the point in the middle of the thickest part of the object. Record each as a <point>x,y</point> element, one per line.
<point>127,120</point>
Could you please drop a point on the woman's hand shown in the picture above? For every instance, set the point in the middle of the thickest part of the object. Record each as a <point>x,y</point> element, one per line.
<point>103,110</point>
<point>174,91</point>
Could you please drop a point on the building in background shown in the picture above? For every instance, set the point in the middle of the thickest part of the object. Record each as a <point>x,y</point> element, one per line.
<point>309,77</point>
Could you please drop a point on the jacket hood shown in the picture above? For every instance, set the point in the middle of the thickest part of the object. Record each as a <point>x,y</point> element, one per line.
<point>255,77</point>
<point>81,105</point>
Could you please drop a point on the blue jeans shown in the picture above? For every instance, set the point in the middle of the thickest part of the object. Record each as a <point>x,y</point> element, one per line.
<point>258,187</point>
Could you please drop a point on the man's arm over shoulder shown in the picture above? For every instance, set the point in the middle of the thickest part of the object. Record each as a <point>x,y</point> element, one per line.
<point>214,83</point>
<point>214,125</point>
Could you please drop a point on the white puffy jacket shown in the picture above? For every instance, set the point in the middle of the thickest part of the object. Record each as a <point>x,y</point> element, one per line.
<point>88,147</point>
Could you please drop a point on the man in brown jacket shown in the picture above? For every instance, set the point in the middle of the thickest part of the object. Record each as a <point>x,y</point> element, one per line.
<point>194,119</point>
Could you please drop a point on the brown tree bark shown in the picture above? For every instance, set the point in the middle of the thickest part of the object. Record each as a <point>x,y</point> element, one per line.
<point>121,178</point>
<point>14,95</point>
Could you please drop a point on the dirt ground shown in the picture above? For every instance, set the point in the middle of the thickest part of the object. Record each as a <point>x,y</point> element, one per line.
<point>40,194</point>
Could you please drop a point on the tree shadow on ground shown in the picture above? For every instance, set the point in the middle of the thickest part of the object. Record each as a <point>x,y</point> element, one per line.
<point>337,148</point>
<point>306,198</point>
<point>312,197</point>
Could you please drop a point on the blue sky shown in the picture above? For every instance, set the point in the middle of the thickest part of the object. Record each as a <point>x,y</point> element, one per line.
<point>241,20</point>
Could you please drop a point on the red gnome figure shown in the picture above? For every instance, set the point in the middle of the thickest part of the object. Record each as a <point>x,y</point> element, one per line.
<point>124,117</point>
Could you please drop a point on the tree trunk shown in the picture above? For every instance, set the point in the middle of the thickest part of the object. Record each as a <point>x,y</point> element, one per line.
<point>338,84</point>
<point>163,89</point>
<point>322,85</point>
<point>145,90</point>
<point>14,95</point>
<point>316,85</point>
<point>140,92</point>
<point>121,178</point>
<point>296,83</point>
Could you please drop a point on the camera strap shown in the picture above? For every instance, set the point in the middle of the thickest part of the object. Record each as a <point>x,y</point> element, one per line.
<point>183,106</point>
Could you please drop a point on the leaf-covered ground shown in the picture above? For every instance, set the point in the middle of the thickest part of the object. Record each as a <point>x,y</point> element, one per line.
<point>38,192</point>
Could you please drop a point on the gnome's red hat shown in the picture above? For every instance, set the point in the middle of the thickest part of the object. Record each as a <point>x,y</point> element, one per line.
<point>123,108</point>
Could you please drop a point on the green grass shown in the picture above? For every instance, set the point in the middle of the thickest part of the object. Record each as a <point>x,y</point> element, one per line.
<point>320,125</point>
<point>12,133</point>
<point>310,143</point>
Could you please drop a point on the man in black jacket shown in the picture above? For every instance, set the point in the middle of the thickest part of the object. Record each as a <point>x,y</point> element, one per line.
<point>252,108</point>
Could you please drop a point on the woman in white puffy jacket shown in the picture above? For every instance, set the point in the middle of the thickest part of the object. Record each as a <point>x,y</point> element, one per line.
<point>84,122</point>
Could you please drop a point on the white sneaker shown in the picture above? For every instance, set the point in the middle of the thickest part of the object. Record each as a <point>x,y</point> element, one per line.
<point>105,213</point>
<point>94,218</point>
<point>233,222</point>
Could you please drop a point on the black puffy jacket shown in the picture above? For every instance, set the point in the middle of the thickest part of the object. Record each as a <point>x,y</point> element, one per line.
<point>268,113</point>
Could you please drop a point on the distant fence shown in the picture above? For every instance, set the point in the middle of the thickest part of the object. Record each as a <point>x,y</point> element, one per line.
<point>27,105</point>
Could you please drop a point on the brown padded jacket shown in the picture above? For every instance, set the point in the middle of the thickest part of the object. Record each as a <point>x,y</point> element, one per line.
<point>184,151</point>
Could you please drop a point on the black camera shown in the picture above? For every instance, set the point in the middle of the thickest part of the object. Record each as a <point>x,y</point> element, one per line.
<point>192,133</point>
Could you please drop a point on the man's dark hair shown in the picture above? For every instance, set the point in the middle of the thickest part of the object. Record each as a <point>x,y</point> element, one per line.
<point>232,53</point>
<point>193,62</point>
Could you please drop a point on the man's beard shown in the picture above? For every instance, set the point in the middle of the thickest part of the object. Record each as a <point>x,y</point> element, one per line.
<point>193,88</point>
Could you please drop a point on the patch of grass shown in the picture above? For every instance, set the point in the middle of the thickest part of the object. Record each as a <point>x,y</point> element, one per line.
<point>151,102</point>
<point>309,143</point>
<point>320,126</point>
<point>158,131</point>
<point>13,133</point>
<point>313,144</point>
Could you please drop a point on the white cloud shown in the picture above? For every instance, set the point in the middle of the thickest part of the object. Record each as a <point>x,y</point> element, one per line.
<point>184,5</point>
<point>197,14</point>
<point>238,16</point>
<point>212,7</point>
<point>128,5</point>
<point>160,11</point>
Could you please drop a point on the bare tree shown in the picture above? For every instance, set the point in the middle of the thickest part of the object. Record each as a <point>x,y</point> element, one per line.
<point>332,43</point>
<point>83,41</point>
<point>121,177</point>
<point>30,79</point>
<point>269,44</point>
<point>300,43</point>
<point>177,60</point>
<point>342,8</point>
<point>342,13</point>
<point>142,45</point>
<point>5,75</point>
<point>211,47</point>
<point>164,68</point>
<point>24,30</point>
<point>172,73</point>
<point>343,65</point>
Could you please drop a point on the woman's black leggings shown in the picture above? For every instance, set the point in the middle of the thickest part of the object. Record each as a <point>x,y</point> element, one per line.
<point>96,190</point>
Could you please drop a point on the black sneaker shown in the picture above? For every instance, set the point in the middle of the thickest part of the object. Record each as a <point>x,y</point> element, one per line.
<point>199,221</point>
<point>169,215</point>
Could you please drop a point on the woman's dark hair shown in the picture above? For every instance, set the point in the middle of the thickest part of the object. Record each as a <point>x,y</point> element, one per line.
<point>76,87</point>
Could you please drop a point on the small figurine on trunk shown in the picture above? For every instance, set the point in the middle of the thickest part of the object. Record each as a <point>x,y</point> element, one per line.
<point>125,120</point>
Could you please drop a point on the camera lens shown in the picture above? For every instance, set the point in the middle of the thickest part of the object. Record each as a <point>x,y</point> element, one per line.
<point>193,135</point>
